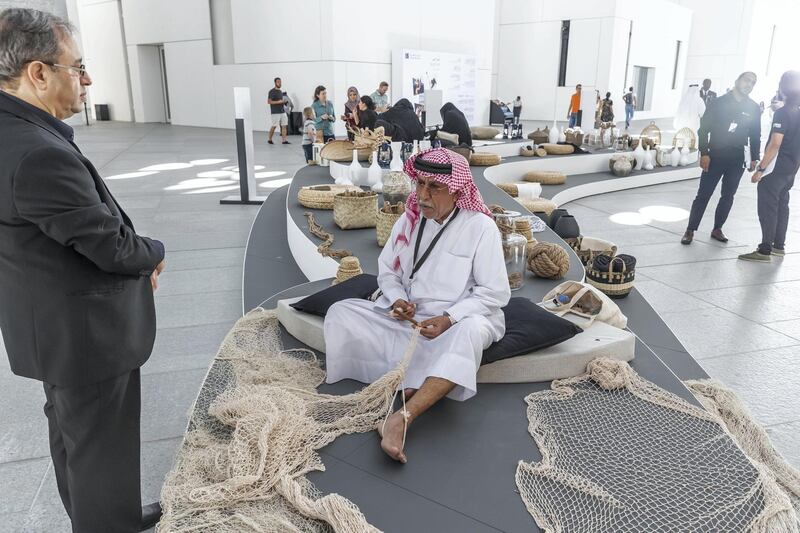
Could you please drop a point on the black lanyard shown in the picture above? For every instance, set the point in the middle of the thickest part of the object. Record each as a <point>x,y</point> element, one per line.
<point>425,255</point>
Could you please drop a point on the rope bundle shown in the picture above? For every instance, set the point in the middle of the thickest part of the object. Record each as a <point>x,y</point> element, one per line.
<point>327,239</point>
<point>548,260</point>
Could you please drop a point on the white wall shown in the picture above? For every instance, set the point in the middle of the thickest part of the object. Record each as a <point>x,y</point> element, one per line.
<point>529,44</point>
<point>104,56</point>
<point>190,78</point>
<point>161,21</point>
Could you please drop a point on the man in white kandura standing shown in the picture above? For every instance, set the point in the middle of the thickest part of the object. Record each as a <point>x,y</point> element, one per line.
<point>443,269</point>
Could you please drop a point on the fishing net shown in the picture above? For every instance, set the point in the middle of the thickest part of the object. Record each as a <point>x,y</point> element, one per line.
<point>621,454</point>
<point>254,433</point>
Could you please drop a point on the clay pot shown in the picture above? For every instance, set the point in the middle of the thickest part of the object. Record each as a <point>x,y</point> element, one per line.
<point>567,227</point>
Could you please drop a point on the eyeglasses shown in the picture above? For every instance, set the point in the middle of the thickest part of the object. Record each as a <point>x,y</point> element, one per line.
<point>81,70</point>
<point>433,187</point>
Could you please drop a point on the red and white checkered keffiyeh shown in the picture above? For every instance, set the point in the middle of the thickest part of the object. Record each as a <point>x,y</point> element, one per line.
<point>459,180</point>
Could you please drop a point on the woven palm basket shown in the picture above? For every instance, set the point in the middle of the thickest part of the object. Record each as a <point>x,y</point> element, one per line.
<point>484,133</point>
<point>509,188</point>
<point>540,136</point>
<point>349,267</point>
<point>538,204</point>
<point>534,151</point>
<point>558,149</point>
<point>342,151</point>
<point>321,196</point>
<point>612,284</point>
<point>545,177</point>
<point>484,159</point>
<point>652,131</point>
<point>387,216</point>
<point>685,137</point>
<point>354,210</point>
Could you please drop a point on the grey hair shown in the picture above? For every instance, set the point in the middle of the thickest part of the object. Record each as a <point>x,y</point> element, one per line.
<point>25,35</point>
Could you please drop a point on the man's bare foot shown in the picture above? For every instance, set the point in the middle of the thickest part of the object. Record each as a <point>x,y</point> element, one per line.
<point>408,393</point>
<point>393,435</point>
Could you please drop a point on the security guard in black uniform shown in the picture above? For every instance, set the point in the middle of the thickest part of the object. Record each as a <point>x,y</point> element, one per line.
<point>727,125</point>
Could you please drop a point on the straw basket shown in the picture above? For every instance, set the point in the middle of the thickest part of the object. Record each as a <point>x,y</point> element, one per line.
<point>545,177</point>
<point>532,151</point>
<point>484,133</point>
<point>349,267</point>
<point>537,204</point>
<point>614,283</point>
<point>652,131</point>
<point>353,210</point>
<point>387,216</point>
<point>342,151</point>
<point>685,137</point>
<point>321,196</point>
<point>558,149</point>
<point>484,159</point>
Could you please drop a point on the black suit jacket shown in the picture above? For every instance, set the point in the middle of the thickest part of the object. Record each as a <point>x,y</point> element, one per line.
<point>76,305</point>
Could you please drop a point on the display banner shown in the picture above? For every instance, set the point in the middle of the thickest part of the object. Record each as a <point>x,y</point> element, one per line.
<point>416,71</point>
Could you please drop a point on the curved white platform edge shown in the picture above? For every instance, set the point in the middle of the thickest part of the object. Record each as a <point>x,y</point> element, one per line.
<point>312,264</point>
<point>634,181</point>
<point>569,165</point>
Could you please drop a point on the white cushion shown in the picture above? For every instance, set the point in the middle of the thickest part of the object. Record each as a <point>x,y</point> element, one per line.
<point>563,360</point>
<point>305,327</point>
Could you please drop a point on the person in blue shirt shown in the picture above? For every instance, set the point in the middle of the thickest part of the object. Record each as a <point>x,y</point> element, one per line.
<point>323,110</point>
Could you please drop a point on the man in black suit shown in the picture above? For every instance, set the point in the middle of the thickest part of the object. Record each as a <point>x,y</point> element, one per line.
<point>76,281</point>
<point>706,94</point>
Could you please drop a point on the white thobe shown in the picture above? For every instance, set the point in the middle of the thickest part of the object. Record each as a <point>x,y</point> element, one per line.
<point>464,276</point>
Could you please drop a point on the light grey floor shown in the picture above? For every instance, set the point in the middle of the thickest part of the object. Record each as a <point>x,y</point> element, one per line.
<point>739,320</point>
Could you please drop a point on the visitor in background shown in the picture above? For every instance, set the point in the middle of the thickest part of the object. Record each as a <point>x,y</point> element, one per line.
<point>517,109</point>
<point>309,134</point>
<point>729,122</point>
<point>350,108</point>
<point>629,98</point>
<point>402,121</point>
<point>690,109</point>
<point>380,98</point>
<point>574,106</point>
<point>706,94</point>
<point>278,116</point>
<point>366,115</point>
<point>783,148</point>
<point>323,111</point>
<point>454,121</point>
<point>607,109</point>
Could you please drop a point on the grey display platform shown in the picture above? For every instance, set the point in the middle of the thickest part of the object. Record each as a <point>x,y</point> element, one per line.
<point>462,456</point>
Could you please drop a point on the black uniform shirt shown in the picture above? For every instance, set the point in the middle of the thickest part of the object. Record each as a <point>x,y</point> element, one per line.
<point>787,121</point>
<point>727,125</point>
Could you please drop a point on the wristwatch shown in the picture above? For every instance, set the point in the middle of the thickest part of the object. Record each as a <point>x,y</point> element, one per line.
<point>759,169</point>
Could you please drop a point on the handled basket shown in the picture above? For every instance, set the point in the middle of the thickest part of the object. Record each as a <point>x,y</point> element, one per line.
<point>615,284</point>
<point>353,210</point>
<point>387,216</point>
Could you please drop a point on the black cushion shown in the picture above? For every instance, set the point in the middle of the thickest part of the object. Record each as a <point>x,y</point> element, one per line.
<point>528,328</point>
<point>361,286</point>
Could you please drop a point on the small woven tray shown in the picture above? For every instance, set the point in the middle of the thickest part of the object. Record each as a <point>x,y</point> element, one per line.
<point>321,196</point>
<point>545,177</point>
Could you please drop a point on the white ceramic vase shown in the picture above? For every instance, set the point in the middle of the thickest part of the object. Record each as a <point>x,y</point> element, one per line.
<point>374,174</point>
<point>674,157</point>
<point>397,162</point>
<point>554,134</point>
<point>648,159</point>
<point>424,145</point>
<point>355,170</point>
<point>415,150</point>
<point>638,154</point>
<point>684,157</point>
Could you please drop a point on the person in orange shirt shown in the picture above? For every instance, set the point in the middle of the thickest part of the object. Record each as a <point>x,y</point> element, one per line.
<point>574,106</point>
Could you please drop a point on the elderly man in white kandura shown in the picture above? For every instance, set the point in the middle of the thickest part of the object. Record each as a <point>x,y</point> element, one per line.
<point>444,271</point>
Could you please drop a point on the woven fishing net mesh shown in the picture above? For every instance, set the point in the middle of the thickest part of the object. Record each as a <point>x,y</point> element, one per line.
<point>254,433</point>
<point>621,454</point>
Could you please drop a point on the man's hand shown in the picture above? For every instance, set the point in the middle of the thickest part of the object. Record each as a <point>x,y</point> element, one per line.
<point>756,177</point>
<point>154,276</point>
<point>403,310</point>
<point>433,327</point>
<point>752,166</point>
<point>705,162</point>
